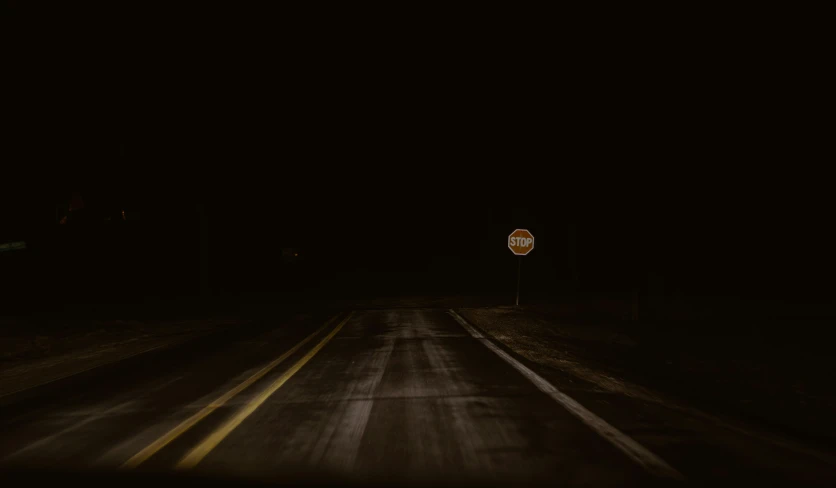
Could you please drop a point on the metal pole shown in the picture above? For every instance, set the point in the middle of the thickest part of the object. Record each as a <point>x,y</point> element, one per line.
<point>519,267</point>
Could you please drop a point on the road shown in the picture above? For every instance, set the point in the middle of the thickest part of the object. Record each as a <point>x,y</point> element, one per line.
<point>363,395</point>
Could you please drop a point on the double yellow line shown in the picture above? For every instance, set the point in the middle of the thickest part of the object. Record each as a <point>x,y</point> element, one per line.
<point>205,447</point>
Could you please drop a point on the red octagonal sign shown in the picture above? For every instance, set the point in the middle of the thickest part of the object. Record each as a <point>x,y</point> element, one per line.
<point>521,242</point>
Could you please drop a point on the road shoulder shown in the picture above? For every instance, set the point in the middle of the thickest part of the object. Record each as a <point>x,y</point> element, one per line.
<point>51,358</point>
<point>689,438</point>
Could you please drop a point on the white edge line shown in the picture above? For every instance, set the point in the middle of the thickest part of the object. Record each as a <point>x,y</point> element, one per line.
<point>635,451</point>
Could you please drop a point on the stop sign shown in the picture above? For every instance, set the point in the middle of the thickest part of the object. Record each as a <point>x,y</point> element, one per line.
<point>521,242</point>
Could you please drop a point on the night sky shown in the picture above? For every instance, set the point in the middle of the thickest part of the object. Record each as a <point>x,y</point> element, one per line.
<point>417,159</point>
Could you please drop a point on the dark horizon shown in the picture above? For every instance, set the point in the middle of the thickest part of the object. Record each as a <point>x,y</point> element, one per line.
<point>698,203</point>
<point>452,240</point>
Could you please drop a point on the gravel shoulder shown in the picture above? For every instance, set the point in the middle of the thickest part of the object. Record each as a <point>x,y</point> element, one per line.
<point>773,387</point>
<point>33,354</point>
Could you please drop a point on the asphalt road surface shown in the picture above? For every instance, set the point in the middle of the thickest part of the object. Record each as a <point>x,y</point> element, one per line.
<point>365,395</point>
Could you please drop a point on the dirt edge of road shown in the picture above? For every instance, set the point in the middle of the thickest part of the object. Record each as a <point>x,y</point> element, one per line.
<point>34,360</point>
<point>713,388</point>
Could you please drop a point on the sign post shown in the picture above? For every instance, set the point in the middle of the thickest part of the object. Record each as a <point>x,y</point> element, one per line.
<point>520,242</point>
<point>519,268</point>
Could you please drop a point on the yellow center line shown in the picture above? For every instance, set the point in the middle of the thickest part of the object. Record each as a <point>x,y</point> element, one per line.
<point>205,447</point>
<point>190,422</point>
